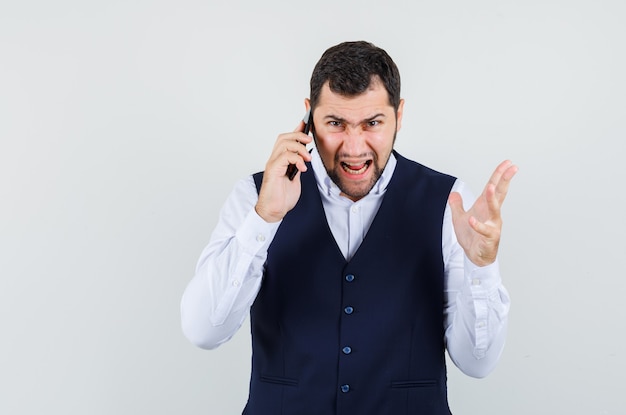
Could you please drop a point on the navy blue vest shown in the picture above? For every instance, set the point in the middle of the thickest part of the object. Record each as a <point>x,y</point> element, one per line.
<point>357,337</point>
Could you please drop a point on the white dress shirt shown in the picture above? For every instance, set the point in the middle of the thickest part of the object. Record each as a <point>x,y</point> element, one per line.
<point>230,270</point>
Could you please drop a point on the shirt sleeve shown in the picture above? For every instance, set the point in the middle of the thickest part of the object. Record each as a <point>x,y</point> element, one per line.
<point>476,303</point>
<point>229,272</point>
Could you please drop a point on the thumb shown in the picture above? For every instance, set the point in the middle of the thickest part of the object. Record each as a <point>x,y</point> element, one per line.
<point>456,204</point>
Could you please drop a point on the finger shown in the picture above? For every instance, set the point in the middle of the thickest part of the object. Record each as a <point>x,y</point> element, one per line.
<point>293,154</point>
<point>298,135</point>
<point>298,160</point>
<point>287,151</point>
<point>501,178</point>
<point>298,149</point>
<point>499,171</point>
<point>487,231</point>
<point>502,187</point>
<point>493,202</point>
<point>486,249</point>
<point>292,142</point>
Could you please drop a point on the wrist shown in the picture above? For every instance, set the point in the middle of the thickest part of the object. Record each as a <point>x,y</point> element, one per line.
<point>267,214</point>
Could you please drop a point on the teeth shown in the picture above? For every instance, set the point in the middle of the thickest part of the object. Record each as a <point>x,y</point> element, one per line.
<point>349,168</point>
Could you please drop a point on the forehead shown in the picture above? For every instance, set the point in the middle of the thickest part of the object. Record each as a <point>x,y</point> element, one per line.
<point>375,98</point>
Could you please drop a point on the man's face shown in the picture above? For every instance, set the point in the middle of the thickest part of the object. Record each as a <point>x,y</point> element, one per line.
<point>355,136</point>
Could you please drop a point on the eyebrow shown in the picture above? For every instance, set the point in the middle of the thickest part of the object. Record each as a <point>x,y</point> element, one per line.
<point>343,120</point>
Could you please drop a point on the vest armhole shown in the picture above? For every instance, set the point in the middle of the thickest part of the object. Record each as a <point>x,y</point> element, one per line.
<point>258,180</point>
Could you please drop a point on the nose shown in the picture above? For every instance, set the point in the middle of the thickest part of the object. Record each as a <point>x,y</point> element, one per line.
<point>354,141</point>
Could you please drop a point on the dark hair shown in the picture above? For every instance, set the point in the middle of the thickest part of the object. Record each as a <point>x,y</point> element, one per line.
<point>349,67</point>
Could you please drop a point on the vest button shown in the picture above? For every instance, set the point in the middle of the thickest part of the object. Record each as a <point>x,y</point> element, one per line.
<point>348,310</point>
<point>345,388</point>
<point>347,350</point>
<point>349,277</point>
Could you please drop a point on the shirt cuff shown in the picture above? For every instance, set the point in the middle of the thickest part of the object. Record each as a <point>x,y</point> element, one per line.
<point>255,234</point>
<point>485,279</point>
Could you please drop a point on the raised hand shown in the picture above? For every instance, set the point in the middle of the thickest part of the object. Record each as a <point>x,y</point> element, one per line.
<point>478,230</point>
<point>278,193</point>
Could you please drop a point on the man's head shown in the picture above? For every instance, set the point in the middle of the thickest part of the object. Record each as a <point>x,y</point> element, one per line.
<point>349,67</point>
<point>357,111</point>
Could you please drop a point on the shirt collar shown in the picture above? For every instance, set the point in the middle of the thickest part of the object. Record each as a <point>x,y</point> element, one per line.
<point>329,187</point>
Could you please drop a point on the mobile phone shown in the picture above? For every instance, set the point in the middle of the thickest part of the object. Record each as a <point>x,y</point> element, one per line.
<point>292,170</point>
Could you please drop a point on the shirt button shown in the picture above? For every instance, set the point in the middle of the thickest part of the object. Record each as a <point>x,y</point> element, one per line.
<point>349,277</point>
<point>355,209</point>
<point>236,283</point>
<point>481,324</point>
<point>347,350</point>
<point>475,281</point>
<point>345,388</point>
<point>348,310</point>
<point>260,238</point>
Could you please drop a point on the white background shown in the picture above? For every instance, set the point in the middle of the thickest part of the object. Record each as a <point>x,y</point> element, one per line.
<point>125,124</point>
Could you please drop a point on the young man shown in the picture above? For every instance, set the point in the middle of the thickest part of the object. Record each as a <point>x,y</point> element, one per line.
<point>359,272</point>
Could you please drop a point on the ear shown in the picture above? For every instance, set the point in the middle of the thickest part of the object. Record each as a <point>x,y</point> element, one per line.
<point>399,115</point>
<point>307,104</point>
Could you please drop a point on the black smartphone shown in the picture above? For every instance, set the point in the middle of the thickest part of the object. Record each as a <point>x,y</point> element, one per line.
<point>292,170</point>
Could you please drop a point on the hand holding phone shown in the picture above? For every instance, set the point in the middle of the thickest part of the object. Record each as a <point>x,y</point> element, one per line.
<point>292,170</point>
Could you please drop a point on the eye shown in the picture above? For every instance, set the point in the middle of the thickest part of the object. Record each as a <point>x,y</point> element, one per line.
<point>334,123</point>
<point>373,123</point>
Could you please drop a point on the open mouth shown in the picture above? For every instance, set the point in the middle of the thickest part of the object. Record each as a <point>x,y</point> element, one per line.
<point>355,168</point>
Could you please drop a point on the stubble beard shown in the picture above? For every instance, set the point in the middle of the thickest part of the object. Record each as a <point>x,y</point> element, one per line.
<point>357,192</point>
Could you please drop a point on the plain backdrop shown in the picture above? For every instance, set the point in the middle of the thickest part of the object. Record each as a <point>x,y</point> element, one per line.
<point>125,124</point>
